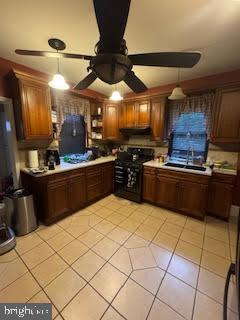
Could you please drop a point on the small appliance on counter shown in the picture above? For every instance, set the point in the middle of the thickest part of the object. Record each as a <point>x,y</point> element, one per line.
<point>52,159</point>
<point>128,173</point>
<point>94,152</point>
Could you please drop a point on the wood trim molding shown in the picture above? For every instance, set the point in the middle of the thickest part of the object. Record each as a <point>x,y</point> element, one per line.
<point>6,66</point>
<point>211,82</point>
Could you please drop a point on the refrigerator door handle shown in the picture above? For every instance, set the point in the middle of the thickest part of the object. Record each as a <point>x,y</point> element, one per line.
<point>231,272</point>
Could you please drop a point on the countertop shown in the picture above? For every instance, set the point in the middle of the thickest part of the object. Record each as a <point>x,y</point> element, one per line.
<point>225,171</point>
<point>156,164</point>
<point>208,172</point>
<point>69,166</point>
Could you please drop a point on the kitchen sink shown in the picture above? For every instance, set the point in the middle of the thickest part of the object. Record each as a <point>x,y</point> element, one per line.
<point>184,166</point>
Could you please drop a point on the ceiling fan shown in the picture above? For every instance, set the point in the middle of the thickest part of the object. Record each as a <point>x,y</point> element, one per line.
<point>112,63</point>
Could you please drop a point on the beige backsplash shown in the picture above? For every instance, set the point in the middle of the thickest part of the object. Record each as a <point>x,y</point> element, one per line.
<point>216,153</point>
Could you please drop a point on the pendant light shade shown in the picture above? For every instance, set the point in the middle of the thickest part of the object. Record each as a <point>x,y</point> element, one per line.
<point>116,96</point>
<point>58,81</point>
<point>177,93</point>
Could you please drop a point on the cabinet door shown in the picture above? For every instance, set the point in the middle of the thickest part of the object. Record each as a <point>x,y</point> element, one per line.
<point>111,122</point>
<point>58,199</point>
<point>192,198</point>
<point>158,118</point>
<point>107,186</point>
<point>77,191</point>
<point>36,110</point>
<point>128,117</point>
<point>149,184</point>
<point>94,183</point>
<point>142,112</point>
<point>166,191</point>
<point>219,199</point>
<point>226,121</point>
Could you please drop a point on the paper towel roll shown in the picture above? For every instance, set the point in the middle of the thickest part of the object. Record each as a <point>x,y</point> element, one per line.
<point>33,159</point>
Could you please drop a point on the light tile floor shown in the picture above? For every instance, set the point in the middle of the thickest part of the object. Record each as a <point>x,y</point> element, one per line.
<point>120,260</point>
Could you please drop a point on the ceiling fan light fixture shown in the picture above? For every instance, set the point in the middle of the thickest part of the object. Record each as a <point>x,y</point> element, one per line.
<point>58,82</point>
<point>177,94</point>
<point>116,96</point>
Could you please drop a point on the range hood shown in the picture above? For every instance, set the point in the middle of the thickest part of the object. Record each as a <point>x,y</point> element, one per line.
<point>129,131</point>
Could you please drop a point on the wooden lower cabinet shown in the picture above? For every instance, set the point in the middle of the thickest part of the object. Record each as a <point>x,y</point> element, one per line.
<point>107,173</point>
<point>179,191</point>
<point>166,191</point>
<point>58,198</point>
<point>149,184</point>
<point>191,198</point>
<point>58,195</point>
<point>77,191</point>
<point>220,195</point>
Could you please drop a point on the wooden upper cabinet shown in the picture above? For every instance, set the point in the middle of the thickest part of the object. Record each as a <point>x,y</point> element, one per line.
<point>128,116</point>
<point>111,122</point>
<point>135,114</point>
<point>32,107</point>
<point>158,118</point>
<point>142,112</point>
<point>226,117</point>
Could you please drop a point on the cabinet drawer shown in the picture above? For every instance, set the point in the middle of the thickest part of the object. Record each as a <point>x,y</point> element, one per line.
<point>149,170</point>
<point>93,170</point>
<point>191,177</point>
<point>57,179</point>
<point>93,179</point>
<point>223,178</point>
<point>58,176</point>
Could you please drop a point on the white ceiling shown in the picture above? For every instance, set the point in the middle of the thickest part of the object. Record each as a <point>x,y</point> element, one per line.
<point>211,26</point>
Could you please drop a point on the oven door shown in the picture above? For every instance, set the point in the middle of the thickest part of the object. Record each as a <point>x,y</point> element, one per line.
<point>133,179</point>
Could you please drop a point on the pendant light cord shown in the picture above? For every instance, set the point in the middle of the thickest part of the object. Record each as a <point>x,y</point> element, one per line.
<point>58,69</point>
<point>58,65</point>
<point>178,77</point>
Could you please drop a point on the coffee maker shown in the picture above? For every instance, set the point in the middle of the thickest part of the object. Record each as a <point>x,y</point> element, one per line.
<point>52,156</point>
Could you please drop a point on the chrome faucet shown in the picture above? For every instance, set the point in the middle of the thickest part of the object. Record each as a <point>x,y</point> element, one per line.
<point>188,154</point>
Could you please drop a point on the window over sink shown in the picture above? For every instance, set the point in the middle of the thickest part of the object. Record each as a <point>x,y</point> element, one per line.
<point>189,138</point>
<point>189,124</point>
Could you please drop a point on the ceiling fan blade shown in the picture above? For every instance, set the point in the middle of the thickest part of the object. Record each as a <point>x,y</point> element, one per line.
<point>89,79</point>
<point>52,54</point>
<point>166,59</point>
<point>111,19</point>
<point>134,82</point>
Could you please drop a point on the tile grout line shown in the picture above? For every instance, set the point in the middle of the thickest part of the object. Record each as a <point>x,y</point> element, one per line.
<point>121,245</point>
<point>199,270</point>
<point>42,288</point>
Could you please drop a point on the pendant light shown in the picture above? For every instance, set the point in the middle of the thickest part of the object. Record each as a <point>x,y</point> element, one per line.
<point>177,93</point>
<point>116,96</point>
<point>58,81</point>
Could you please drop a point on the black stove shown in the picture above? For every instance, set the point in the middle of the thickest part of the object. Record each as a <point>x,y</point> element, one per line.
<point>128,174</point>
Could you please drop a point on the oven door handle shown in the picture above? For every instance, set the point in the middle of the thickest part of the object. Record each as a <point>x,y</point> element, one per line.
<point>231,271</point>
